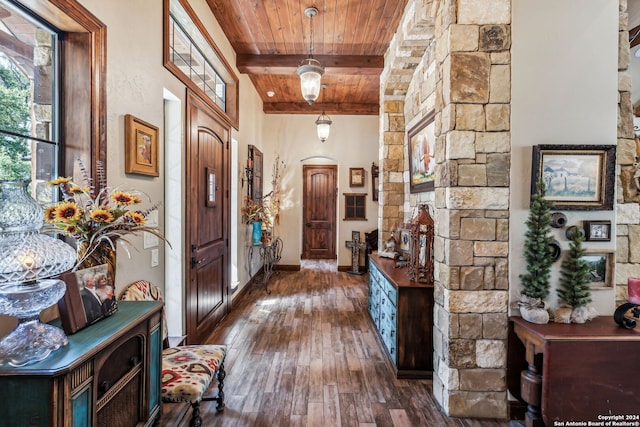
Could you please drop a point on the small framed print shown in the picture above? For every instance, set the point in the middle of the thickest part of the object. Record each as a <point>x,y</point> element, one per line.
<point>403,240</point>
<point>141,146</point>
<point>601,268</point>
<point>597,231</point>
<point>356,177</point>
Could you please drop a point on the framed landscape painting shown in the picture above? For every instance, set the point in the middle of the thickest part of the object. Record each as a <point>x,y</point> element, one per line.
<point>576,177</point>
<point>421,139</point>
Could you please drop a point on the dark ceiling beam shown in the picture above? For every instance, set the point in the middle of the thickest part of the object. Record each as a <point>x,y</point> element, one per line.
<point>329,108</point>
<point>14,47</point>
<point>333,64</point>
<point>634,36</point>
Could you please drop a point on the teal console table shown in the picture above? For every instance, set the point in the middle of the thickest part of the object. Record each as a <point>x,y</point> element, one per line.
<point>108,375</point>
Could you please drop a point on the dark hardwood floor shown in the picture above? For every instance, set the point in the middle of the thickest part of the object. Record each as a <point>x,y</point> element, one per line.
<point>308,355</point>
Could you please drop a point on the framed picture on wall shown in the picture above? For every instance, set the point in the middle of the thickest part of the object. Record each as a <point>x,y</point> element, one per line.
<point>576,177</point>
<point>597,231</point>
<point>601,268</point>
<point>421,139</point>
<point>356,177</point>
<point>141,147</point>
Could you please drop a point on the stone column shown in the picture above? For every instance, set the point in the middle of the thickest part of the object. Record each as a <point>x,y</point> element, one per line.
<point>628,196</point>
<point>473,41</point>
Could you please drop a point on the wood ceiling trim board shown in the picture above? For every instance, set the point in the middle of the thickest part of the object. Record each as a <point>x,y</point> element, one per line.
<point>287,64</point>
<point>376,34</point>
<point>332,16</point>
<point>260,17</point>
<point>236,27</point>
<point>276,25</point>
<point>356,13</point>
<point>336,109</point>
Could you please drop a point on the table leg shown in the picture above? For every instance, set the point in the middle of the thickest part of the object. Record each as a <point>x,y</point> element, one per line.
<point>531,390</point>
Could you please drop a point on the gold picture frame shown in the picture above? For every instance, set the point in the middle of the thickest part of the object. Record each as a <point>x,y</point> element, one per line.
<point>141,146</point>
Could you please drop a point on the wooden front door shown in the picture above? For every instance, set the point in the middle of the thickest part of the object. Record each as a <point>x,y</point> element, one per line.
<point>319,212</point>
<point>207,225</point>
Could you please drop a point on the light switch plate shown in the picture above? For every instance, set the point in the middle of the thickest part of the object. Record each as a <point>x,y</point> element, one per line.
<point>149,240</point>
<point>154,257</point>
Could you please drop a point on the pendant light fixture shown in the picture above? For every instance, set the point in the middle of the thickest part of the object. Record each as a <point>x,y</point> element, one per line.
<point>323,123</point>
<point>310,70</point>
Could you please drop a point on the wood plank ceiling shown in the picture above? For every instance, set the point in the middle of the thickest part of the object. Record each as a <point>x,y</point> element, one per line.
<point>350,38</point>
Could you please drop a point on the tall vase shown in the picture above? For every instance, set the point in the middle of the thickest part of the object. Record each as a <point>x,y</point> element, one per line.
<point>101,254</point>
<point>257,232</point>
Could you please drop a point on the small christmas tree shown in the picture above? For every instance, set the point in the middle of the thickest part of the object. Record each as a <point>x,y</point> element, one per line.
<point>574,275</point>
<point>537,247</point>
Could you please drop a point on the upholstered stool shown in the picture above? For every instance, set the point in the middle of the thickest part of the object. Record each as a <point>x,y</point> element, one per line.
<point>187,371</point>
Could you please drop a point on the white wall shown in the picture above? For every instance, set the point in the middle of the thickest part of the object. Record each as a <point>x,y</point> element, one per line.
<point>564,91</point>
<point>353,142</point>
<point>136,80</point>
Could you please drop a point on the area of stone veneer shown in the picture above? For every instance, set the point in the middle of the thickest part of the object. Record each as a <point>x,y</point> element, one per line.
<point>627,209</point>
<point>462,71</point>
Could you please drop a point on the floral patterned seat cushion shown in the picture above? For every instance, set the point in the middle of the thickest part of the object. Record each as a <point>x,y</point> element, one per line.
<point>187,371</point>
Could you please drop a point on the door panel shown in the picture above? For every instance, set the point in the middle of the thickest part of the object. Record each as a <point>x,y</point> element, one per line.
<point>207,220</point>
<point>319,211</point>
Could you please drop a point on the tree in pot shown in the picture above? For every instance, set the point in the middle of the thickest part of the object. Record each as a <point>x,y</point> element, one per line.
<point>538,253</point>
<point>574,292</point>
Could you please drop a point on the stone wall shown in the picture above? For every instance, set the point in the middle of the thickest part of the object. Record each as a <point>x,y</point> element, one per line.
<point>461,70</point>
<point>627,207</point>
<point>473,42</point>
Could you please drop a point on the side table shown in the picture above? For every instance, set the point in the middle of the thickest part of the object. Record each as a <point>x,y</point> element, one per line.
<point>270,254</point>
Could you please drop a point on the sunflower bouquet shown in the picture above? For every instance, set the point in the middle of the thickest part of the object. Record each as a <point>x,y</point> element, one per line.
<point>97,216</point>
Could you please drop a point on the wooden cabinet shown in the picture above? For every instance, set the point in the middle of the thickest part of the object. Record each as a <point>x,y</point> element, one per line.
<point>402,312</point>
<point>574,372</point>
<point>108,375</point>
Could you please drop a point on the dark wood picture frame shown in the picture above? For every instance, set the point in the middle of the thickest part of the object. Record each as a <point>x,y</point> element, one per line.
<point>577,177</point>
<point>421,141</point>
<point>375,174</point>
<point>403,239</point>
<point>597,231</point>
<point>141,147</point>
<point>256,181</point>
<point>80,307</point>
<point>356,177</point>
<point>602,264</point>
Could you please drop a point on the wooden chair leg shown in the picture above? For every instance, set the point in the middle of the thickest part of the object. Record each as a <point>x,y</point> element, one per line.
<point>196,419</point>
<point>220,397</point>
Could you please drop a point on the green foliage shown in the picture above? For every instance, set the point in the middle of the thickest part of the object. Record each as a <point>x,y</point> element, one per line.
<point>14,117</point>
<point>537,247</point>
<point>574,275</point>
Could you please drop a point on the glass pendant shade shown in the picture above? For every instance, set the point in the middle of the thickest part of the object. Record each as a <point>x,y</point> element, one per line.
<point>26,258</point>
<point>323,126</point>
<point>310,73</point>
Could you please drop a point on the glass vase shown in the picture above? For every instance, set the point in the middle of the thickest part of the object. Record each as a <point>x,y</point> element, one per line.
<point>97,255</point>
<point>257,232</point>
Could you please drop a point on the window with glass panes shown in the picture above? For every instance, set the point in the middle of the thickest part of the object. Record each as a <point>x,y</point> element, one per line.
<point>29,144</point>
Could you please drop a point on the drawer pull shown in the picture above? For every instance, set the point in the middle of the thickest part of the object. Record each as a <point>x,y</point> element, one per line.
<point>134,360</point>
<point>383,314</point>
<point>105,385</point>
<point>393,316</point>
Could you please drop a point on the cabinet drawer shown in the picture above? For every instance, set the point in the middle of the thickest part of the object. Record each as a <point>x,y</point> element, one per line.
<point>390,291</point>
